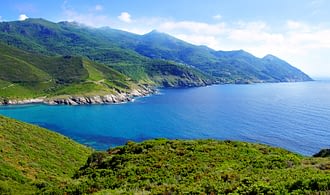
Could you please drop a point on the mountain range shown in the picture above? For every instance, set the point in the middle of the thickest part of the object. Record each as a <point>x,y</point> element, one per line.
<point>40,58</point>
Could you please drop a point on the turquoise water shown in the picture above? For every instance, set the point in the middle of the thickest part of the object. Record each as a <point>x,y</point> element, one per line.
<point>295,116</point>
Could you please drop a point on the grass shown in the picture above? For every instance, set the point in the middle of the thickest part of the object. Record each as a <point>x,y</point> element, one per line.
<point>84,89</point>
<point>16,70</point>
<point>32,157</point>
<point>93,73</point>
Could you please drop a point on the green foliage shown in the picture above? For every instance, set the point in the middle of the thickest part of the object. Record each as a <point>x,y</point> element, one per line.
<point>171,74</point>
<point>32,158</point>
<point>201,166</point>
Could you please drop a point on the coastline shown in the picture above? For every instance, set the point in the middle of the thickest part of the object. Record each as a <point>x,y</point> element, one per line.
<point>109,98</point>
<point>84,100</point>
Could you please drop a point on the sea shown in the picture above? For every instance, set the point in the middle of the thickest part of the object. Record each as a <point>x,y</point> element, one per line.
<point>294,116</point>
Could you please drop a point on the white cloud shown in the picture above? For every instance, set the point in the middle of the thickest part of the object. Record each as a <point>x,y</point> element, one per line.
<point>98,7</point>
<point>89,18</point>
<point>293,24</point>
<point>0,18</point>
<point>191,27</point>
<point>209,40</point>
<point>217,17</point>
<point>297,26</point>
<point>22,17</point>
<point>253,32</point>
<point>125,17</point>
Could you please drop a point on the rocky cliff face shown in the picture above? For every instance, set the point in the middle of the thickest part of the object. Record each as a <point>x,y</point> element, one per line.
<point>83,100</point>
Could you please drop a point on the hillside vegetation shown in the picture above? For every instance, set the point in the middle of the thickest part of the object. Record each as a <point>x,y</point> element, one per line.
<point>29,75</point>
<point>35,160</point>
<point>39,36</point>
<point>200,167</point>
<point>32,158</point>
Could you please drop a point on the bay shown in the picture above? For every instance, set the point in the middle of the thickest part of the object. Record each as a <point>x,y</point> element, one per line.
<point>295,116</point>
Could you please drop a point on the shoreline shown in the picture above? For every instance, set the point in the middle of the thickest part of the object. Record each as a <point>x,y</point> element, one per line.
<point>84,100</point>
<point>108,98</point>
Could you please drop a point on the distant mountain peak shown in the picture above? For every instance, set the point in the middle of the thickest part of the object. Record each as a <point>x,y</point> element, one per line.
<point>73,24</point>
<point>35,19</point>
<point>156,33</point>
<point>69,22</point>
<point>270,57</point>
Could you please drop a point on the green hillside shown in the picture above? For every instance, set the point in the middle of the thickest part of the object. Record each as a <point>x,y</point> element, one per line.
<point>197,167</point>
<point>39,58</point>
<point>64,38</point>
<point>36,160</point>
<point>29,75</point>
<point>33,157</point>
<point>135,55</point>
<point>225,66</point>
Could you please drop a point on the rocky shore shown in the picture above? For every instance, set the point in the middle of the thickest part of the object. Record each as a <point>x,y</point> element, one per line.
<point>83,100</point>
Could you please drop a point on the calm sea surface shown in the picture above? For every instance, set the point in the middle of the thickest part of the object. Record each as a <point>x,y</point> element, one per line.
<point>295,116</point>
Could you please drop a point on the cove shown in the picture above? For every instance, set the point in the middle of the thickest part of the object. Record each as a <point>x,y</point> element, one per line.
<point>295,116</point>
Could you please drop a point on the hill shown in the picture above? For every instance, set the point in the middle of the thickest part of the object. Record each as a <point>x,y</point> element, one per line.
<point>138,56</point>
<point>200,166</point>
<point>35,160</point>
<point>30,75</point>
<point>71,39</point>
<point>32,157</point>
<point>26,75</point>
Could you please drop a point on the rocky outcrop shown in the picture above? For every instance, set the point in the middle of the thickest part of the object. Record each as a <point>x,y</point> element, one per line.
<point>323,153</point>
<point>82,100</point>
<point>24,101</point>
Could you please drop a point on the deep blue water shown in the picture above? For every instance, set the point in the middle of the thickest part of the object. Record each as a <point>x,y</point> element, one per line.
<point>295,116</point>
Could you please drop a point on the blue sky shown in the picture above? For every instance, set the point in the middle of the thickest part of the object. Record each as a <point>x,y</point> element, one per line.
<point>296,30</point>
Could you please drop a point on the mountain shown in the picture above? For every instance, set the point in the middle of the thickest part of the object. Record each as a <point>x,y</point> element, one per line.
<point>32,158</point>
<point>123,50</point>
<point>282,71</point>
<point>123,61</point>
<point>72,52</point>
<point>226,66</point>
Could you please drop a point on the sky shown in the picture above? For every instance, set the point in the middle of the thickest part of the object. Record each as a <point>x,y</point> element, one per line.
<point>297,31</point>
